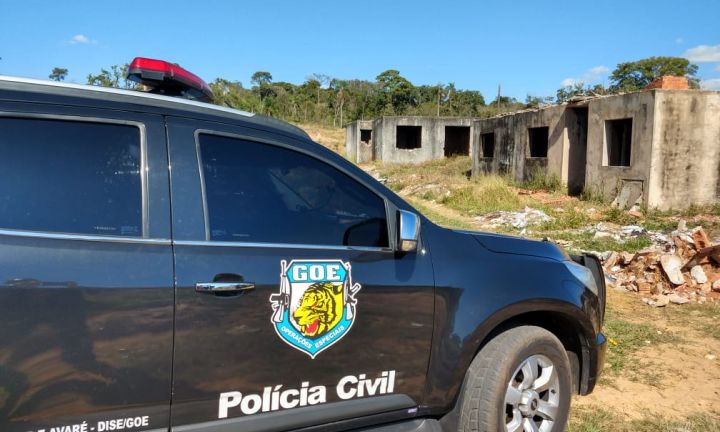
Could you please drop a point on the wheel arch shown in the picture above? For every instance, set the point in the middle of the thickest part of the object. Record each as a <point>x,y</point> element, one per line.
<point>564,320</point>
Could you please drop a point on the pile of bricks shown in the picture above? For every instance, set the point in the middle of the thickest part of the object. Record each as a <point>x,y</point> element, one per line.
<point>686,269</point>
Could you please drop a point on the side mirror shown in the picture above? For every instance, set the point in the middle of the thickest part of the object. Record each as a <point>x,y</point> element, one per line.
<point>409,231</point>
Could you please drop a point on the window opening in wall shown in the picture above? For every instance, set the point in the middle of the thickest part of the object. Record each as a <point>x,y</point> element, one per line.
<point>408,137</point>
<point>618,141</point>
<point>365,135</point>
<point>457,140</point>
<point>538,140</point>
<point>487,142</point>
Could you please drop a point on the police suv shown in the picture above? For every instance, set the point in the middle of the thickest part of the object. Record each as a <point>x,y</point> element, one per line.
<point>168,264</point>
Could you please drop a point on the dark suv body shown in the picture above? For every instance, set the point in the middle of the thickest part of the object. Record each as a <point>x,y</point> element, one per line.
<point>171,264</point>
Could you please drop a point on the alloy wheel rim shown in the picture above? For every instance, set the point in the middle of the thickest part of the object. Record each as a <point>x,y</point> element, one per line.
<point>532,398</point>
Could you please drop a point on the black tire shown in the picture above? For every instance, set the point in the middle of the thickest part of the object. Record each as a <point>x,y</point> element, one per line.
<point>489,378</point>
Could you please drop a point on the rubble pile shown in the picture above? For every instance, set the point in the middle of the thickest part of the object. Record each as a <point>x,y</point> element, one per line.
<point>529,216</point>
<point>678,268</point>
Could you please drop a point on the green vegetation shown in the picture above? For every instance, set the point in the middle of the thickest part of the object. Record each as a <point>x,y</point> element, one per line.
<point>540,180</point>
<point>636,75</point>
<point>625,338</point>
<point>116,77</point>
<point>601,420</point>
<point>568,218</point>
<point>485,194</point>
<point>334,101</point>
<point>587,241</point>
<point>58,74</point>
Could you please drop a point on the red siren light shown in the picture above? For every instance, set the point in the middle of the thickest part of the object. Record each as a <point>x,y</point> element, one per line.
<point>168,79</point>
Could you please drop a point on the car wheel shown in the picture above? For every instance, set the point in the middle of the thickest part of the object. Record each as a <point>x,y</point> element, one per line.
<point>519,381</point>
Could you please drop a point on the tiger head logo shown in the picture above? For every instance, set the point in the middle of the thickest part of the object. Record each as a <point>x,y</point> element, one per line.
<point>321,308</point>
<point>315,305</point>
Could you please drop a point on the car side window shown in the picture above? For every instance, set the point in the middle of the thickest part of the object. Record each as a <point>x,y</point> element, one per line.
<point>264,193</point>
<point>70,177</point>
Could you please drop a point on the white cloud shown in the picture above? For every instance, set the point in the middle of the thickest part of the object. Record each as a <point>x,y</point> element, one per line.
<point>679,41</point>
<point>599,70</point>
<point>81,39</point>
<point>711,84</point>
<point>703,54</point>
<point>594,74</point>
<point>717,68</point>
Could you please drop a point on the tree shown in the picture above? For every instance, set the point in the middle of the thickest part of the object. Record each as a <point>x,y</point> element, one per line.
<point>261,78</point>
<point>537,101</point>
<point>636,75</point>
<point>322,80</point>
<point>115,77</point>
<point>397,93</point>
<point>504,100</point>
<point>262,81</point>
<point>58,74</point>
<point>568,92</point>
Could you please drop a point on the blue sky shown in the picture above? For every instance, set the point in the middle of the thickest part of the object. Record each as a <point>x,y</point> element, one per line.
<point>528,47</point>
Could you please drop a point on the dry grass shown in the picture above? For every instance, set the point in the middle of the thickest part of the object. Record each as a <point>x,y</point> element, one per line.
<point>332,138</point>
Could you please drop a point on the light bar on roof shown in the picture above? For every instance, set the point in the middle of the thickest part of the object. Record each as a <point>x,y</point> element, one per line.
<point>168,79</point>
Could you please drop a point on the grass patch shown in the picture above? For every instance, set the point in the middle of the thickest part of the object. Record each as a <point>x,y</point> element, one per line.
<point>601,420</point>
<point>593,195</point>
<point>540,180</point>
<point>620,217</point>
<point>624,339</point>
<point>485,194</point>
<point>586,241</point>
<point>570,218</point>
<point>438,218</point>
<point>659,224</point>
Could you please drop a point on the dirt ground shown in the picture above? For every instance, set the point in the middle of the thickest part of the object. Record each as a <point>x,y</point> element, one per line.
<point>675,379</point>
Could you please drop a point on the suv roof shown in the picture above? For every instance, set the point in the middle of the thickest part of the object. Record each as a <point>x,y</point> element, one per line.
<point>103,94</point>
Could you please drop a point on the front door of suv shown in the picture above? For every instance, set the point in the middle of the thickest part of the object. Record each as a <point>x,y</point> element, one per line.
<point>292,310</point>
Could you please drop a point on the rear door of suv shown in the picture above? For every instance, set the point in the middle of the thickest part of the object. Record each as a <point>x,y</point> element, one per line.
<point>86,288</point>
<point>292,309</point>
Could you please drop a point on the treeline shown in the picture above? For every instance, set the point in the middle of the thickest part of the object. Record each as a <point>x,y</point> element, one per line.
<point>322,99</point>
<point>332,101</point>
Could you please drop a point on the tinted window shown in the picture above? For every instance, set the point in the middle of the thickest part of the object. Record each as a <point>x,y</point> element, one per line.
<point>262,193</point>
<point>73,177</point>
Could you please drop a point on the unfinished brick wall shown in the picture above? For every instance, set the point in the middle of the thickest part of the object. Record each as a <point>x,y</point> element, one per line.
<point>669,82</point>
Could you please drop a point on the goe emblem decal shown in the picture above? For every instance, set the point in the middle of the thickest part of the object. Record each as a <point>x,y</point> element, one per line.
<point>316,304</point>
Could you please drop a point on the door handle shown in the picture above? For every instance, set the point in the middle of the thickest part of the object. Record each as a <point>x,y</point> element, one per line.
<point>223,287</point>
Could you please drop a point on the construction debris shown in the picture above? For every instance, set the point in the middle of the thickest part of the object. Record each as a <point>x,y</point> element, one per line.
<point>678,268</point>
<point>698,274</point>
<point>672,264</point>
<point>529,216</point>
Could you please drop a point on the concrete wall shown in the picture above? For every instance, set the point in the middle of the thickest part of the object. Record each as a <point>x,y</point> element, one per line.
<point>631,182</point>
<point>685,165</point>
<point>512,151</point>
<point>674,146</point>
<point>356,150</point>
<point>432,138</point>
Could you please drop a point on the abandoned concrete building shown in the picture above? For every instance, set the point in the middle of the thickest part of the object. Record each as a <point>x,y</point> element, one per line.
<point>659,147</point>
<point>408,139</point>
